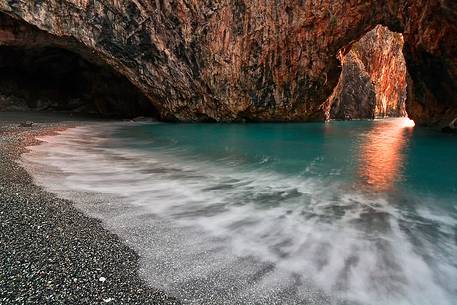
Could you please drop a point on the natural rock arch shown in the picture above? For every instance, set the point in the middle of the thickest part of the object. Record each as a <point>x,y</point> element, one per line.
<point>372,83</point>
<point>253,59</point>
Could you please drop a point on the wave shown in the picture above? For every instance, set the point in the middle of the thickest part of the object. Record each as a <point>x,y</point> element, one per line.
<point>214,232</point>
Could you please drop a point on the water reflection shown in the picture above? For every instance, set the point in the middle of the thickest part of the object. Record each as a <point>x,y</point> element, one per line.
<point>212,225</point>
<point>382,154</point>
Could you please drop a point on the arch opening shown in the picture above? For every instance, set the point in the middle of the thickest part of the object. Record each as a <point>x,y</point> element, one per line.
<point>373,79</point>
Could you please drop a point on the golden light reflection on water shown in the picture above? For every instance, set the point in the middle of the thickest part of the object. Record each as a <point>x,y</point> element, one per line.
<point>382,155</point>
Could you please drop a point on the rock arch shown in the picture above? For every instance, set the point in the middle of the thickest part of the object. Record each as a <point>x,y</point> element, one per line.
<point>254,59</point>
<point>372,83</point>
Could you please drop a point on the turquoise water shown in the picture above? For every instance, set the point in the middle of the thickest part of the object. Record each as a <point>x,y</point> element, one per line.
<point>361,212</point>
<point>423,161</point>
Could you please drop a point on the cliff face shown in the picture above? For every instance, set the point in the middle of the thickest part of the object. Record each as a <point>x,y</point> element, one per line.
<point>373,79</point>
<point>247,59</point>
<point>354,96</point>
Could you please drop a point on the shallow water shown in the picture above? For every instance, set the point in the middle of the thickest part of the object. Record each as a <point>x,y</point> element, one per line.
<point>361,212</point>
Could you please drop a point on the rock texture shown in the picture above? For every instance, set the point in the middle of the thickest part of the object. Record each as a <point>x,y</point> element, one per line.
<point>248,59</point>
<point>373,79</point>
<point>354,96</point>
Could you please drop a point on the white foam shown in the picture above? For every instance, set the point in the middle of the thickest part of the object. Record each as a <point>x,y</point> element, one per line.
<point>204,229</point>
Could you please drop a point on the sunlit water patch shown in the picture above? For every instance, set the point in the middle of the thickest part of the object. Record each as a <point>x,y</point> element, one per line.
<point>337,213</point>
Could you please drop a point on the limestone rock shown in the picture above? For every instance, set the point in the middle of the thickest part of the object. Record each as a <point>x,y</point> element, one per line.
<point>354,96</point>
<point>246,59</point>
<point>373,79</point>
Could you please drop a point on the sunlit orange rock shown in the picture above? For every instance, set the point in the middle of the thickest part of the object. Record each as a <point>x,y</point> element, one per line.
<point>373,80</point>
<point>249,59</point>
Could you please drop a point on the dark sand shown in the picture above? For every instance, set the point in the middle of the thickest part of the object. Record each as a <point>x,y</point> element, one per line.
<point>51,253</point>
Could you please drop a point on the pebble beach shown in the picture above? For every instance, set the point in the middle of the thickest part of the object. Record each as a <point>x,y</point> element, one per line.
<point>51,253</point>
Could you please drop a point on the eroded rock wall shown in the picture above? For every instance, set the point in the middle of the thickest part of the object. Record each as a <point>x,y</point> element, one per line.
<point>249,59</point>
<point>373,79</point>
<point>430,31</point>
<point>354,96</point>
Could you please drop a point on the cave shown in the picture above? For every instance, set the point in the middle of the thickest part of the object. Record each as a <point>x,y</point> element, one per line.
<point>373,80</point>
<point>55,79</point>
<point>229,66</point>
<point>44,72</point>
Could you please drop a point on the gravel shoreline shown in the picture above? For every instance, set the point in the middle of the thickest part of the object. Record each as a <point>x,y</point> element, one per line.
<point>50,252</point>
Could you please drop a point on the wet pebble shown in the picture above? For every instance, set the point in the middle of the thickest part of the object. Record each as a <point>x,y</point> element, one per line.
<point>52,253</point>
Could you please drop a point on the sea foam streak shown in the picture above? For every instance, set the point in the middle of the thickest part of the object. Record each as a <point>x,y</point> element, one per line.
<point>211,233</point>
